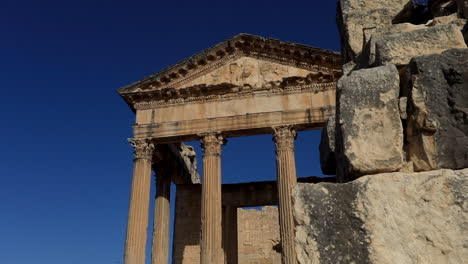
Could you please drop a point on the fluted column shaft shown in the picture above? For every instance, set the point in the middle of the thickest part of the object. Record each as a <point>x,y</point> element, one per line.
<point>162,213</point>
<point>135,243</point>
<point>284,137</point>
<point>211,207</point>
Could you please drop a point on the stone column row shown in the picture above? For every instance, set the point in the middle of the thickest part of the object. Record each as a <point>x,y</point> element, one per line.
<point>137,225</point>
<point>211,211</point>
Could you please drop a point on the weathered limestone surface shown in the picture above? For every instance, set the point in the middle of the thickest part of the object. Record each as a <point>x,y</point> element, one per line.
<point>369,131</point>
<point>259,239</point>
<point>354,16</point>
<point>371,36</point>
<point>403,218</point>
<point>327,147</point>
<point>450,19</point>
<point>401,47</point>
<point>437,87</point>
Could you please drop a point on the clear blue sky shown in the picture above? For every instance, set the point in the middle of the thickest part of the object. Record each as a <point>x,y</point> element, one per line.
<point>65,164</point>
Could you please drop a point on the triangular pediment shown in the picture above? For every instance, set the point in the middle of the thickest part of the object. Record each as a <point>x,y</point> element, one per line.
<point>244,60</point>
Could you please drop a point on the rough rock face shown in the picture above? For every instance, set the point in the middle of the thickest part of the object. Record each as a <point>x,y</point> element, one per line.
<point>437,87</point>
<point>378,33</point>
<point>372,36</point>
<point>327,148</point>
<point>354,16</point>
<point>401,47</point>
<point>443,20</point>
<point>369,135</point>
<point>403,218</point>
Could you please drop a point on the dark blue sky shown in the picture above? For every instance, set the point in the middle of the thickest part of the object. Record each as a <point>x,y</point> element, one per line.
<point>65,164</point>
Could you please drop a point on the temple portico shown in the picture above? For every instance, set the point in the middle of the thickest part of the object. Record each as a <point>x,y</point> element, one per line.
<point>244,86</point>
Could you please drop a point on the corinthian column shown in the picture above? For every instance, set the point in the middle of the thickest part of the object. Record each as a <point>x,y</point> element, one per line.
<point>211,207</point>
<point>135,243</point>
<point>284,137</point>
<point>162,213</point>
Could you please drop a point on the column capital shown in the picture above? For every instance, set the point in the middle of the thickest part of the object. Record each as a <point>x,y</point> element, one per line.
<point>284,137</point>
<point>142,148</point>
<point>212,143</point>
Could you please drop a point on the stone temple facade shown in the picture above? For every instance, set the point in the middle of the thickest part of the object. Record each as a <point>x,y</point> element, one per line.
<point>246,85</point>
<point>393,109</point>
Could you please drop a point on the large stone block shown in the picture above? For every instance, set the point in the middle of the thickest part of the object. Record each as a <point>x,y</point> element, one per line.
<point>437,88</point>
<point>404,218</point>
<point>401,47</point>
<point>354,16</point>
<point>372,36</point>
<point>327,147</point>
<point>369,135</point>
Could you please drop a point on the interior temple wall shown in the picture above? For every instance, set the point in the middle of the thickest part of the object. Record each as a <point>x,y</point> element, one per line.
<point>258,230</point>
<point>259,237</point>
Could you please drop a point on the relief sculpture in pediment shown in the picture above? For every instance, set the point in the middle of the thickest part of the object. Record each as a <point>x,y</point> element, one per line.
<point>253,72</point>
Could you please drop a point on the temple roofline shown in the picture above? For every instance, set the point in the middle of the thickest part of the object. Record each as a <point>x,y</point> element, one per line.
<point>241,43</point>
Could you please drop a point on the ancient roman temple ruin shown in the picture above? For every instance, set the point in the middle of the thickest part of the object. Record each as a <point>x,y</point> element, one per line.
<point>246,85</point>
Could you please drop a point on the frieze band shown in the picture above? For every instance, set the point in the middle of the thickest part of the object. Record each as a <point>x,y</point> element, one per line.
<point>311,88</point>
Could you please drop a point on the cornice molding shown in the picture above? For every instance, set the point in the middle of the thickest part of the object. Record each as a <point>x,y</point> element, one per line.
<point>230,93</point>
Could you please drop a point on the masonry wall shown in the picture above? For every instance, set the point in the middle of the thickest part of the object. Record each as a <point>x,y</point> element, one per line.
<point>258,231</point>
<point>258,236</point>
